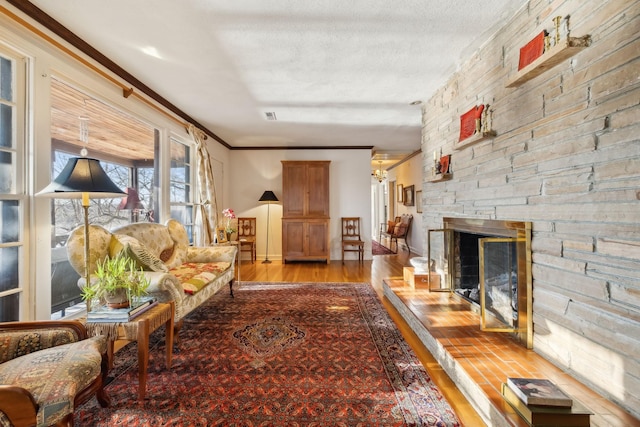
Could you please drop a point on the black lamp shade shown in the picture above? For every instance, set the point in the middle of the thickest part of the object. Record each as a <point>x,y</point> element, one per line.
<point>82,175</point>
<point>268,196</point>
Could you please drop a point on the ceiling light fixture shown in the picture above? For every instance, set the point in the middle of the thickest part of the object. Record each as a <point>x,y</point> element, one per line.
<point>379,174</point>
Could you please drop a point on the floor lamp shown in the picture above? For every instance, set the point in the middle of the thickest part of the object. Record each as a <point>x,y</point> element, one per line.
<point>268,197</point>
<point>82,178</point>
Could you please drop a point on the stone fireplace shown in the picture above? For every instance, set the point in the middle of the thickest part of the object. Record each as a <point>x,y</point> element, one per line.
<point>488,264</point>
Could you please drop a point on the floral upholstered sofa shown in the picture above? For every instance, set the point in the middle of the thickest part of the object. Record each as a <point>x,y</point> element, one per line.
<point>178,272</point>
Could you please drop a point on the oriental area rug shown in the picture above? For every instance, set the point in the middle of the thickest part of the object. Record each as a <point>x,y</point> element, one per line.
<point>379,249</point>
<point>278,354</point>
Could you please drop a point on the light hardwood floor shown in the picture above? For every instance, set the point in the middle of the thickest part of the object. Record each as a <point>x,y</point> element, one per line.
<point>375,271</point>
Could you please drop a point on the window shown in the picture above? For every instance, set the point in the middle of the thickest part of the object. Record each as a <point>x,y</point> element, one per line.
<point>181,188</point>
<point>12,197</point>
<point>126,148</point>
<point>145,182</point>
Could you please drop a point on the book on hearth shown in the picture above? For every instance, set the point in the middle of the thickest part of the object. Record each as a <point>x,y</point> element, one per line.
<point>539,391</point>
<point>104,313</point>
<point>542,416</point>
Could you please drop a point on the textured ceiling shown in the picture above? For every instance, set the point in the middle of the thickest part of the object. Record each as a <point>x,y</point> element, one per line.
<point>334,72</point>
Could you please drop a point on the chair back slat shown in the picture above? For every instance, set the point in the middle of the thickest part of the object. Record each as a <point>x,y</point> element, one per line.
<point>246,227</point>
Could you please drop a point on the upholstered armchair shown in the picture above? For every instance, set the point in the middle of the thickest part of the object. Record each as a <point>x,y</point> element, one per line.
<point>47,369</point>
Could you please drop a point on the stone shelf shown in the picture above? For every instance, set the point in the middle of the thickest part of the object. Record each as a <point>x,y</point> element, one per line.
<point>474,139</point>
<point>441,177</point>
<point>561,51</point>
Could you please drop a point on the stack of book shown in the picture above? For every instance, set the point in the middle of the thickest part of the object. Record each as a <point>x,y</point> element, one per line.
<point>104,313</point>
<point>542,403</point>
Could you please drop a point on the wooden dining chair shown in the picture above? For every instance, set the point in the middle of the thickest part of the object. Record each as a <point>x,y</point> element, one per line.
<point>351,240</point>
<point>247,236</point>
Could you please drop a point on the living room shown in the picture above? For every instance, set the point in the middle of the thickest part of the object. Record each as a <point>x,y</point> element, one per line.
<point>563,156</point>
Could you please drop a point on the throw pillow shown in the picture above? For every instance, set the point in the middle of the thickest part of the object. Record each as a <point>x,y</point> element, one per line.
<point>400,229</point>
<point>132,248</point>
<point>166,254</point>
<point>178,256</point>
<point>390,227</point>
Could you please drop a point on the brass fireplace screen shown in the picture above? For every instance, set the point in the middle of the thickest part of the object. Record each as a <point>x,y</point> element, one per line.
<point>488,263</point>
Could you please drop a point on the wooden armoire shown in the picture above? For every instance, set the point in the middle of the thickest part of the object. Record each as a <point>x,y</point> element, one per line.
<point>305,211</point>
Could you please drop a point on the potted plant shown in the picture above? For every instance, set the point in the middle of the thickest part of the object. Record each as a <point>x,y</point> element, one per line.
<point>118,282</point>
<point>230,215</point>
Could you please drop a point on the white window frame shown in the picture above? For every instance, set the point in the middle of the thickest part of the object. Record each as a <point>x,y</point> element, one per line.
<point>19,194</point>
<point>193,184</point>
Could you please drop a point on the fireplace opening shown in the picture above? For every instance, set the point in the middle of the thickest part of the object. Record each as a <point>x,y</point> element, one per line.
<point>488,264</point>
<point>483,259</point>
<point>467,281</point>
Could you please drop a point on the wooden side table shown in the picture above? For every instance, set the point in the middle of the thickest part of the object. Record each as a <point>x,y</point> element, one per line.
<point>139,329</point>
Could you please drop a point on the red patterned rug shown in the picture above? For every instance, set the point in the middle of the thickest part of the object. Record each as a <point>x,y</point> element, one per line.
<point>279,354</point>
<point>378,249</point>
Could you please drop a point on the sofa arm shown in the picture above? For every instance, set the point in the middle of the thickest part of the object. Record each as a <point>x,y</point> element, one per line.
<point>212,253</point>
<point>20,338</point>
<point>165,287</point>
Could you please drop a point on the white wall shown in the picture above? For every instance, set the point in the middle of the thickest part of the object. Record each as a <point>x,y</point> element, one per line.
<point>410,173</point>
<point>251,172</point>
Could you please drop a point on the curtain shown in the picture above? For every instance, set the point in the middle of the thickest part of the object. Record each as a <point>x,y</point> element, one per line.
<point>206,218</point>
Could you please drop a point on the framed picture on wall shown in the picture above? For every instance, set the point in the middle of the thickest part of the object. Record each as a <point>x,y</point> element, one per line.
<point>419,201</point>
<point>400,193</point>
<point>408,195</point>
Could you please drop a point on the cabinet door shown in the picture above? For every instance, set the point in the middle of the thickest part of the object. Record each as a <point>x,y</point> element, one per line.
<point>294,178</point>
<point>293,239</point>
<point>317,239</point>
<point>318,185</point>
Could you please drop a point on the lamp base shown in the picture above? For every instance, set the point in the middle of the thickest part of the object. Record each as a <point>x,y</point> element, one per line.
<point>266,261</point>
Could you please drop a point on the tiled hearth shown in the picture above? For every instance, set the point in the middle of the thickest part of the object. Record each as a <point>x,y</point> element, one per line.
<point>478,362</point>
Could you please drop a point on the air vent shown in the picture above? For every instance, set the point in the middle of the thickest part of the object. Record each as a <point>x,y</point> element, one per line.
<point>270,115</point>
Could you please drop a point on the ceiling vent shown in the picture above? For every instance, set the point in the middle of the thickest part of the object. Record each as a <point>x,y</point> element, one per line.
<point>270,115</point>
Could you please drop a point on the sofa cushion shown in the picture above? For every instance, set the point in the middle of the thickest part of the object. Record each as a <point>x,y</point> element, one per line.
<point>54,375</point>
<point>194,276</point>
<point>122,244</point>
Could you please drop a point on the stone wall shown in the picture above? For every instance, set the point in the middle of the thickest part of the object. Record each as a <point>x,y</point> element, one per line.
<point>567,158</point>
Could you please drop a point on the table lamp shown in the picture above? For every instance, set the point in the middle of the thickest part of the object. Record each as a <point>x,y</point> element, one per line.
<point>131,202</point>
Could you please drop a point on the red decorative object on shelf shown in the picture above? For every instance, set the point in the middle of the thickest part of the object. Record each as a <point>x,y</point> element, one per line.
<point>444,163</point>
<point>470,122</point>
<point>531,51</point>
